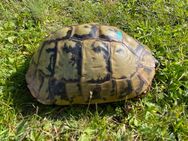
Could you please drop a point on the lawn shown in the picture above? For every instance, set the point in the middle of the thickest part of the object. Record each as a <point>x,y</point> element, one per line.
<point>162,114</point>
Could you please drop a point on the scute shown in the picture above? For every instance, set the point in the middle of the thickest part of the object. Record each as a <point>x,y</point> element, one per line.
<point>46,58</point>
<point>63,33</point>
<point>124,87</point>
<point>130,42</point>
<point>68,60</point>
<point>111,33</point>
<point>89,63</point>
<point>123,61</point>
<point>85,31</point>
<point>95,63</point>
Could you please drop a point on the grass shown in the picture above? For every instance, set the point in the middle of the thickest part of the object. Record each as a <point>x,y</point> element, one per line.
<point>161,115</point>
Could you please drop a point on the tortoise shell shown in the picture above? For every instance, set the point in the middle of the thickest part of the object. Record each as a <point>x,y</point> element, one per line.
<point>89,63</point>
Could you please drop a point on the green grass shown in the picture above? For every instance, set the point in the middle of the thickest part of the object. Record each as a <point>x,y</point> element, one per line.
<point>161,115</point>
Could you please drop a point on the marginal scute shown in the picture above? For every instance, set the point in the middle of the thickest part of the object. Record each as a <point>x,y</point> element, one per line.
<point>31,79</point>
<point>124,87</point>
<point>90,63</point>
<point>105,89</point>
<point>147,74</point>
<point>57,88</point>
<point>73,94</point>
<point>44,91</point>
<point>144,85</point>
<point>59,101</point>
<point>30,75</point>
<point>99,92</point>
<point>137,83</point>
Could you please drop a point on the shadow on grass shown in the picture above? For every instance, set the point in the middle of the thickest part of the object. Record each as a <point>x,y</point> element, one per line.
<point>24,104</point>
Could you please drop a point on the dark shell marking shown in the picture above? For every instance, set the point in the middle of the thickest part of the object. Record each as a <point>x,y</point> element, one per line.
<point>89,63</point>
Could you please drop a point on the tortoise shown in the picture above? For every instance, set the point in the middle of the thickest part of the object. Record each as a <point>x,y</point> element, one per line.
<point>89,64</point>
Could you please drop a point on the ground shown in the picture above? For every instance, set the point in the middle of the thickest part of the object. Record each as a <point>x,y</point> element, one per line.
<point>161,115</point>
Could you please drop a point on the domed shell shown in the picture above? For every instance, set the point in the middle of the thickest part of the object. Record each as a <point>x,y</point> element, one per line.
<point>89,63</point>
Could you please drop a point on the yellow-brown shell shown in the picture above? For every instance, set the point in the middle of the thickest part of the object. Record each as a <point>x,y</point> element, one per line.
<point>89,63</point>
